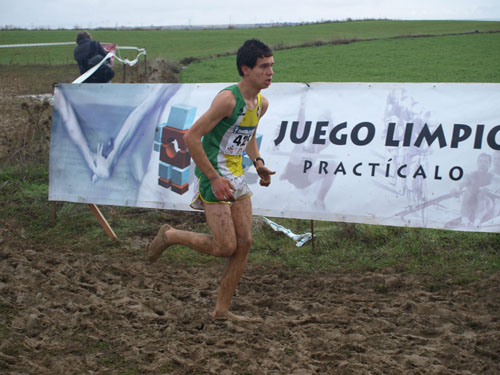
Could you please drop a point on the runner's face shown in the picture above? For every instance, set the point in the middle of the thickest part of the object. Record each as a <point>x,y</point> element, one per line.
<point>262,72</point>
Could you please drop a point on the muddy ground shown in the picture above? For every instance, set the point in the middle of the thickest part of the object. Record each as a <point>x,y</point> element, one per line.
<point>93,312</point>
<point>97,313</point>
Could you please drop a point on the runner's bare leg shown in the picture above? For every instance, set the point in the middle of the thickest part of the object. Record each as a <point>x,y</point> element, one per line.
<point>222,242</point>
<point>241,212</point>
<point>231,237</point>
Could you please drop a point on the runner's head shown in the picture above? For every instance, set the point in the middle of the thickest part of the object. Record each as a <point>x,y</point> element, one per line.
<point>249,52</point>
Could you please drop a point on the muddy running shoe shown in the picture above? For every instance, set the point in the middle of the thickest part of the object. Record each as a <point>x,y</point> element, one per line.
<point>158,245</point>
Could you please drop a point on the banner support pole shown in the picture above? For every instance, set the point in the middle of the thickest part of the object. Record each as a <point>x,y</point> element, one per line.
<point>102,220</point>
<point>53,213</point>
<point>312,232</point>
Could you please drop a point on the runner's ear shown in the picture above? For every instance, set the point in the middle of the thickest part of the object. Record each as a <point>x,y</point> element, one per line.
<point>245,69</point>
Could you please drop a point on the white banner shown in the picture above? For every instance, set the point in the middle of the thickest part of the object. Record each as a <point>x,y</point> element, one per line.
<point>404,154</point>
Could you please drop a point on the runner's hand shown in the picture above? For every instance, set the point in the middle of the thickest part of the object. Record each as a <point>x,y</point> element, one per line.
<point>265,175</point>
<point>223,189</point>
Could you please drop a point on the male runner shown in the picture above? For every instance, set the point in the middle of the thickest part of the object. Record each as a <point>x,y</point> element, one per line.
<point>228,128</point>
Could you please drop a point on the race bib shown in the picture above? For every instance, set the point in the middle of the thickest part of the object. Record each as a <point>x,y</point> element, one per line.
<point>238,140</point>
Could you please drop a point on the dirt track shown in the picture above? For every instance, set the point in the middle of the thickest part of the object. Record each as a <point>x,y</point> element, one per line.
<point>85,313</point>
<point>94,312</point>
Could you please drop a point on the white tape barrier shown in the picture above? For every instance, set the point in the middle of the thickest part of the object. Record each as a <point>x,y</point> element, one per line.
<point>91,71</point>
<point>58,44</point>
<point>300,239</point>
<point>141,51</point>
<point>36,44</point>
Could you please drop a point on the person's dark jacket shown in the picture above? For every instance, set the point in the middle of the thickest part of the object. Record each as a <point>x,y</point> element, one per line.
<point>82,53</point>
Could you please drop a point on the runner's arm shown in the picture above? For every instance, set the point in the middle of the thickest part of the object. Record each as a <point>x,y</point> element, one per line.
<point>253,153</point>
<point>252,148</point>
<point>221,107</point>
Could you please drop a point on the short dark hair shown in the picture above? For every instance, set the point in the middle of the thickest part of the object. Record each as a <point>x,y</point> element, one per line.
<point>249,52</point>
<point>82,35</point>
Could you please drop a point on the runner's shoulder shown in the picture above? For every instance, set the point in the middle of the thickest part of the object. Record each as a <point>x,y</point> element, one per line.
<point>224,102</point>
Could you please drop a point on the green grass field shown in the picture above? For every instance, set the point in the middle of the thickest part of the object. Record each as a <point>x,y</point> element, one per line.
<point>180,44</point>
<point>460,58</point>
<point>456,256</point>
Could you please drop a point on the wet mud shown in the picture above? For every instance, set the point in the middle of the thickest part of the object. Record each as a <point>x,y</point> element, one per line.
<point>97,313</point>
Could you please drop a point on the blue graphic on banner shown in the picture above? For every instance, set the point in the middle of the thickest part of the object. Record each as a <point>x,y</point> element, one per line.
<point>174,156</point>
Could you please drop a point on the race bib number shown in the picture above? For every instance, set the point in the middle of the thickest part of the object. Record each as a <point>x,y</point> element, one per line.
<point>238,140</point>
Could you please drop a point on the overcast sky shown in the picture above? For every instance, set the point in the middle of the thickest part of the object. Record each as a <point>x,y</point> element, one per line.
<point>111,13</point>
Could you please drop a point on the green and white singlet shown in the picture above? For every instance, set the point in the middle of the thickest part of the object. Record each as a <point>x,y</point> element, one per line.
<point>224,146</point>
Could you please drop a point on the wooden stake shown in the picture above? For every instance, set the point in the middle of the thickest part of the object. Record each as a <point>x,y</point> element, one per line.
<point>102,220</point>
<point>53,213</point>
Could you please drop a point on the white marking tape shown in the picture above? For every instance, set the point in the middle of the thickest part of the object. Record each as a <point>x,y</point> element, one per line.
<point>300,239</point>
<point>141,51</point>
<point>35,44</point>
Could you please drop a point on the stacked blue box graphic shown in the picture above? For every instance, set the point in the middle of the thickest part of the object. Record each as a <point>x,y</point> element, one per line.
<point>175,162</point>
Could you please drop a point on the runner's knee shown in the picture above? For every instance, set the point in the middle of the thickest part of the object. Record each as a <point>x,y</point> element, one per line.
<point>225,247</point>
<point>244,243</point>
